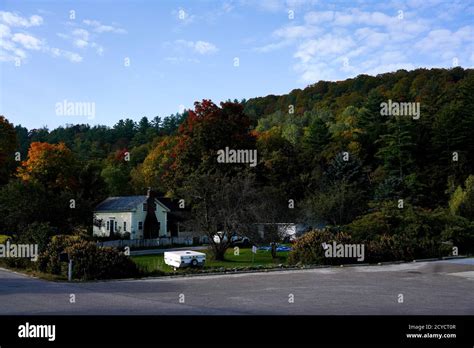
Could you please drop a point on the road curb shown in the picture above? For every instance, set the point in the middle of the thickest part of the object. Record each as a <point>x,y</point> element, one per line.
<point>265,270</point>
<point>289,269</point>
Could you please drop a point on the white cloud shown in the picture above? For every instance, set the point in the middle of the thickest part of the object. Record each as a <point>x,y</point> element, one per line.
<point>81,43</point>
<point>200,47</point>
<point>81,33</point>
<point>271,5</point>
<point>203,47</point>
<point>10,56</point>
<point>383,68</point>
<point>280,5</point>
<point>316,71</point>
<point>336,43</point>
<point>7,45</point>
<point>14,20</point>
<point>4,31</point>
<point>295,32</point>
<point>81,39</point>
<point>13,45</point>
<point>444,39</point>
<point>98,48</point>
<point>325,46</point>
<point>227,7</point>
<point>372,37</point>
<point>273,46</point>
<point>318,17</point>
<point>27,41</point>
<point>349,17</point>
<point>9,50</point>
<point>98,27</point>
<point>71,56</point>
<point>287,35</point>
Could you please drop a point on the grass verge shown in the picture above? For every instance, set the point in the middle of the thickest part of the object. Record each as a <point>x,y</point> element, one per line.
<point>155,264</point>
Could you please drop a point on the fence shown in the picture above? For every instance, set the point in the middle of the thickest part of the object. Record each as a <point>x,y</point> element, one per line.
<point>146,243</point>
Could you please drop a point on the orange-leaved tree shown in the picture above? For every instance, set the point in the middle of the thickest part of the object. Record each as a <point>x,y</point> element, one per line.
<point>52,165</point>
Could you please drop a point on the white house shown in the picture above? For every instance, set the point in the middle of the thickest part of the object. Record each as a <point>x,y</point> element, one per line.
<point>143,217</point>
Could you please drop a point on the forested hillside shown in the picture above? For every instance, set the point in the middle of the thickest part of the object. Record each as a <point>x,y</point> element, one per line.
<point>326,147</point>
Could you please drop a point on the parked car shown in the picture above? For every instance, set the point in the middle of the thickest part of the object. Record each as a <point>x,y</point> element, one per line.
<point>184,258</point>
<point>278,248</point>
<point>235,240</point>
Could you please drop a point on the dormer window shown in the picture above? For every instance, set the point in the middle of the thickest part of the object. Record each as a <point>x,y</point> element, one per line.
<point>145,207</point>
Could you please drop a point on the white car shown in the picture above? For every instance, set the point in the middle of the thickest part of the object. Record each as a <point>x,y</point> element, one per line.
<point>234,240</point>
<point>184,258</point>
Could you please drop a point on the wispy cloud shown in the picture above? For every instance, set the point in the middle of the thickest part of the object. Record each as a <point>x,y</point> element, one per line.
<point>71,56</point>
<point>199,47</point>
<point>81,38</point>
<point>14,45</point>
<point>15,20</point>
<point>98,27</point>
<point>86,34</point>
<point>334,43</point>
<point>27,41</point>
<point>16,42</point>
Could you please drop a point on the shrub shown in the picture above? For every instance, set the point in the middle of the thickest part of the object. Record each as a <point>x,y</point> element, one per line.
<point>459,232</point>
<point>89,260</point>
<point>462,200</point>
<point>308,248</point>
<point>37,233</point>
<point>4,238</point>
<point>48,261</point>
<point>410,233</point>
<point>93,262</point>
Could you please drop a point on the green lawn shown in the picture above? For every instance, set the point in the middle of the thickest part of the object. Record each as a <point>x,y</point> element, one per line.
<point>156,264</point>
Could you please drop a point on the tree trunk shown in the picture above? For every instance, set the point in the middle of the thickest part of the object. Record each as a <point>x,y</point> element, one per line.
<point>218,252</point>
<point>274,251</point>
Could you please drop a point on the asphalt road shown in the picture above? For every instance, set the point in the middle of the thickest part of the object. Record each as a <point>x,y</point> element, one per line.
<point>435,288</point>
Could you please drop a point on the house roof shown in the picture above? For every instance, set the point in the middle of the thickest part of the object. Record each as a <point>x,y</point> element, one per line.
<point>125,203</point>
<point>171,204</point>
<point>122,203</point>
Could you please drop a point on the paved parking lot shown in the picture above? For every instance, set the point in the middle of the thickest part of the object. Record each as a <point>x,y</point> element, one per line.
<point>441,287</point>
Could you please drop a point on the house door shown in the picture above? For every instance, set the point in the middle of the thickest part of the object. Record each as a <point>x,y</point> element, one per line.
<point>111,223</point>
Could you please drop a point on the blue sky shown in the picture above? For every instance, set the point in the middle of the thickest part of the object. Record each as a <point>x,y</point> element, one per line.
<point>183,51</point>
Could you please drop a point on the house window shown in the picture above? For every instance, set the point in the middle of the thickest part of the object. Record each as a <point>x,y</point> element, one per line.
<point>108,225</point>
<point>144,206</point>
<point>116,226</point>
<point>140,225</point>
<point>125,226</point>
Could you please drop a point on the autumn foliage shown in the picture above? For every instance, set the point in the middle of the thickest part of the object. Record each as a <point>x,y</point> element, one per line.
<point>50,164</point>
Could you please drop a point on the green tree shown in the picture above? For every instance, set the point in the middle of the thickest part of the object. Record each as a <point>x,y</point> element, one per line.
<point>397,147</point>
<point>462,200</point>
<point>341,195</point>
<point>116,177</point>
<point>8,144</point>
<point>221,207</point>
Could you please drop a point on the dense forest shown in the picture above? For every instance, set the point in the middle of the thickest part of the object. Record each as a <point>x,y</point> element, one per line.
<point>327,148</point>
